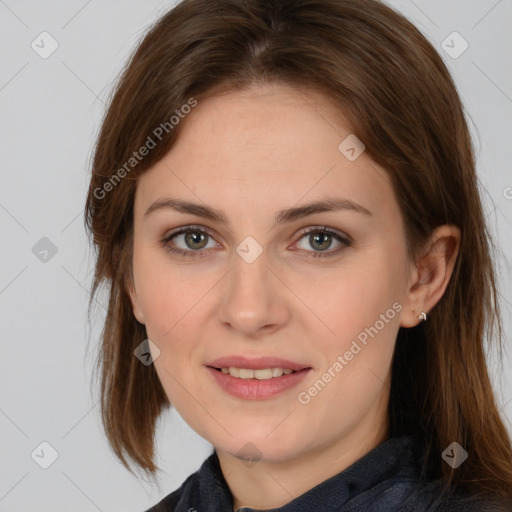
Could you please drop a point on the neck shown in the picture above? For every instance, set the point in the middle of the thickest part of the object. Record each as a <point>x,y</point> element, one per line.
<point>271,484</point>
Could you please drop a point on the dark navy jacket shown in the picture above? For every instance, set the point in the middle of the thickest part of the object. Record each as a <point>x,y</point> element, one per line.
<point>387,479</point>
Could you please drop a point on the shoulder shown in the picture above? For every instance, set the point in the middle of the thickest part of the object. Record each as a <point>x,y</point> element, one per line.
<point>200,489</point>
<point>431,499</point>
<point>426,494</point>
<point>472,504</point>
<point>171,501</point>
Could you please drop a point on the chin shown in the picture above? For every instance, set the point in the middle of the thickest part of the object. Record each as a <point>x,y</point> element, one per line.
<point>257,447</point>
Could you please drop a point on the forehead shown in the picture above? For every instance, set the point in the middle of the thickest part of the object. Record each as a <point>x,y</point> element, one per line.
<point>270,144</point>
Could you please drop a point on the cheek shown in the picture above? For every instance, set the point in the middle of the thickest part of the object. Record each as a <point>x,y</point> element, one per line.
<point>362,307</point>
<point>167,292</point>
<point>174,300</point>
<point>350,298</point>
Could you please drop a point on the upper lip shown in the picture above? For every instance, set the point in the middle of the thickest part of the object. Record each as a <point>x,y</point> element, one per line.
<point>257,363</point>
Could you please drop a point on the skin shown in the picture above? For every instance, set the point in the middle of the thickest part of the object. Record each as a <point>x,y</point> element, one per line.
<point>251,154</point>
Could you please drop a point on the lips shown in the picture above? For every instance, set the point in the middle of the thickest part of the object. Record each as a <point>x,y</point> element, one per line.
<point>256,363</point>
<point>254,388</point>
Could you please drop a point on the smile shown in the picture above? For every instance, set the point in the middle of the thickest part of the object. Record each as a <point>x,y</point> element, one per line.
<point>262,374</point>
<point>250,384</point>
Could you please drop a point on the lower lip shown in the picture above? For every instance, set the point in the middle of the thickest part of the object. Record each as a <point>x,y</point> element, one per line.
<point>255,389</point>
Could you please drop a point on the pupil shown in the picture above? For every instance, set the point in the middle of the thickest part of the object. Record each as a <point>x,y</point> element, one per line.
<point>195,237</point>
<point>320,236</point>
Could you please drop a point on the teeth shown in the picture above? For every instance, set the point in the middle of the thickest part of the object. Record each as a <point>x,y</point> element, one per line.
<point>263,374</point>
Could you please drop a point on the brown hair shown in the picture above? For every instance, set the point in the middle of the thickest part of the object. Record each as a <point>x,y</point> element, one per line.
<point>396,92</point>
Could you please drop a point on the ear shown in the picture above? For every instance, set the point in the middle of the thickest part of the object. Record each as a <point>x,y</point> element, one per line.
<point>431,274</point>
<point>137,310</point>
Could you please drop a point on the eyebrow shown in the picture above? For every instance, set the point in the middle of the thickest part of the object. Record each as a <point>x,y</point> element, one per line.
<point>283,216</point>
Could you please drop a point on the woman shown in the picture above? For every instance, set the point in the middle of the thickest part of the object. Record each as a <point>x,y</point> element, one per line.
<point>285,206</point>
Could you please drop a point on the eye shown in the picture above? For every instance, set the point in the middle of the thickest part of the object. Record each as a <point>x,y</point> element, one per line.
<point>321,238</point>
<point>194,239</point>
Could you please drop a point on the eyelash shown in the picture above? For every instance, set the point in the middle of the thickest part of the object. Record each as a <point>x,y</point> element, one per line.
<point>196,229</point>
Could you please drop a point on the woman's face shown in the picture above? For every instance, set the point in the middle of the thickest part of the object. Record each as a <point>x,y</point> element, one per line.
<point>258,285</point>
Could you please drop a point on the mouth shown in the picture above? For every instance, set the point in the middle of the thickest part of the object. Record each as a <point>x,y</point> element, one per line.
<point>250,373</point>
<point>258,363</point>
<point>257,378</point>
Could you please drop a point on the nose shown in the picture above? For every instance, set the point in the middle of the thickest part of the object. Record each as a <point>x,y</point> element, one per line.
<point>254,299</point>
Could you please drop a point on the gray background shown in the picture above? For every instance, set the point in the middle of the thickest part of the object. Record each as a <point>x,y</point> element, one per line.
<point>50,113</point>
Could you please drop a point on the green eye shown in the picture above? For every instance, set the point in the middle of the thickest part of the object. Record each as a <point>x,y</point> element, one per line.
<point>196,239</point>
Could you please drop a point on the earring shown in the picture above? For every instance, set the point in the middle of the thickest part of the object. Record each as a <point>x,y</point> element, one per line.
<point>422,317</point>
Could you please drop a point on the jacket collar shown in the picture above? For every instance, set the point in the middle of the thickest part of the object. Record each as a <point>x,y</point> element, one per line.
<point>394,464</point>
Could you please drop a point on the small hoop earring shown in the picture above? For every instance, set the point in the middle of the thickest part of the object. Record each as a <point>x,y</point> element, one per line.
<point>422,317</point>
